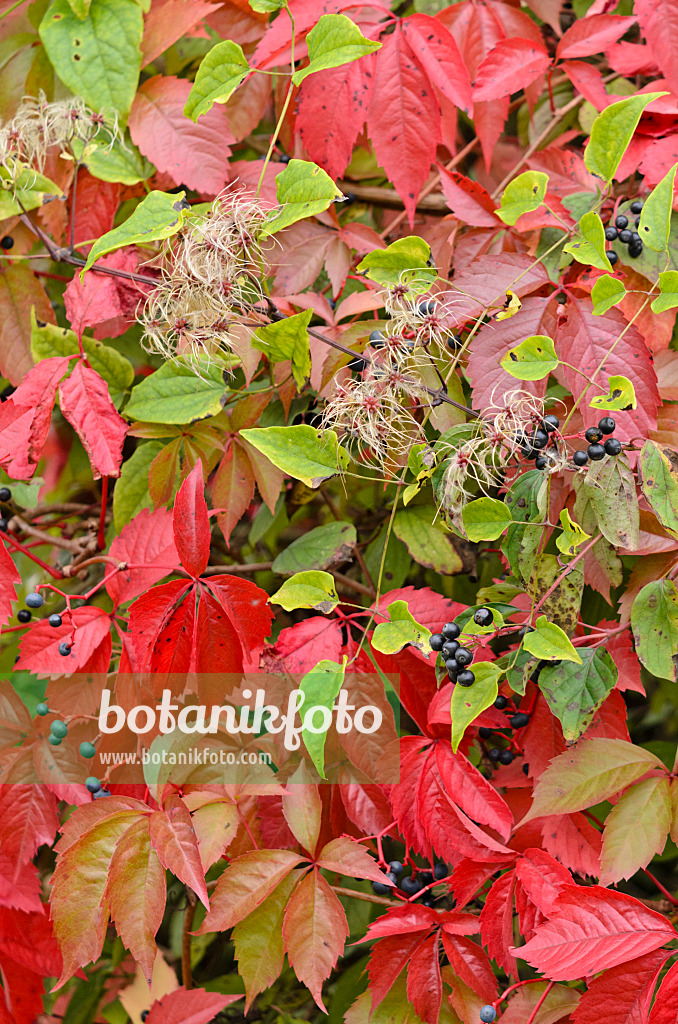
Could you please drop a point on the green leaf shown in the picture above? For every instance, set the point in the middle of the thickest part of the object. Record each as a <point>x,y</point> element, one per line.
<point>572,536</point>
<point>655,217</point>
<point>27,189</point>
<point>176,394</point>
<point>159,215</point>
<point>403,629</point>
<point>307,590</point>
<point>324,546</point>
<point>303,189</point>
<point>589,245</point>
<point>612,132</point>
<point>300,451</point>
<point>522,195</point>
<point>48,340</point>
<point>533,359</point>
<point>262,929</point>
<point>587,774</point>
<point>621,395</point>
<point>118,161</point>
<point>333,41</point>
<point>220,73</point>
<point>428,542</point>
<point>636,829</point>
<point>287,339</point>
<point>470,701</point>
<point>267,6</point>
<point>611,488</point>
<point>526,499</point>
<point>654,621</point>
<point>98,57</point>
<point>131,493</point>
<point>658,471</point>
<point>80,7</point>
<point>549,642</point>
<point>471,628</point>
<point>668,292</point>
<point>320,686</point>
<point>405,261</point>
<point>606,292</point>
<point>575,692</point>
<point>485,519</point>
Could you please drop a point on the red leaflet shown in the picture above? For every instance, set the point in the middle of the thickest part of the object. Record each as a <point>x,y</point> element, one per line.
<point>542,878</point>
<point>403,119</point>
<point>468,199</point>
<point>150,615</point>
<point>592,35</point>
<point>9,578</point>
<point>25,418</point>
<point>332,108</point>
<point>592,929</point>
<point>195,155</point>
<point>249,612</point>
<point>188,1006</point>
<point>437,52</point>
<point>40,645</point>
<point>20,887</point>
<point>627,988</point>
<point>28,818</point>
<point>387,959</point>
<point>233,487</point>
<point>658,23</point>
<point>95,208</point>
<point>470,962</point>
<point>665,1009</point>
<point>219,647</point>
<point>191,523</point>
<point>87,405</point>
<point>471,791</point>
<point>173,836</point>
<point>167,21</point>
<point>348,857</point>
<point>403,920</point>
<point>147,540</point>
<point>244,886</point>
<point>468,877</point>
<point>574,841</point>
<point>510,65</point>
<point>107,303</point>
<point>20,291</point>
<point>424,983</point>
<point>496,922</point>
<point>587,80</point>
<point>306,643</point>
<point>21,995</point>
<point>314,931</point>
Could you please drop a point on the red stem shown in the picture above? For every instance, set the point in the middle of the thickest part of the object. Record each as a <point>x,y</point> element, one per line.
<point>530,1019</point>
<point>101,539</point>
<point>56,574</point>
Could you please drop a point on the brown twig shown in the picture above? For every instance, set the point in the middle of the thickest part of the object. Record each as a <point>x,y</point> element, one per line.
<point>367,896</point>
<point>189,914</point>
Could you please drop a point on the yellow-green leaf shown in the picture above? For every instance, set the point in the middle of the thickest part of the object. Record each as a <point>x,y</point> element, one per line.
<point>403,629</point>
<point>522,195</point>
<point>533,359</point>
<point>333,41</point>
<point>314,589</point>
<point>470,701</point>
<point>549,642</point>
<point>220,73</point>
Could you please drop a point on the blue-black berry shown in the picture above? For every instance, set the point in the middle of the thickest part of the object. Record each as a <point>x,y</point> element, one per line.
<point>440,871</point>
<point>626,236</point>
<point>410,885</point>
<point>519,720</point>
<point>621,222</point>
<point>500,702</point>
<point>494,753</point>
<point>54,620</point>
<point>5,494</point>
<point>580,458</point>
<point>506,756</point>
<point>484,732</point>
<point>145,1013</point>
<point>64,649</point>
<point>595,452</point>
<point>635,250</point>
<point>483,617</point>
<point>377,339</point>
<point>395,867</point>
<point>450,648</point>
<point>7,242</point>
<point>4,523</point>
<point>93,784</point>
<point>612,256</point>
<point>463,656</point>
<point>593,434</point>
<point>379,889</point>
<point>526,768</point>
<point>101,793</point>
<point>541,462</point>
<point>23,615</point>
<point>636,205</point>
<point>607,425</point>
<point>540,439</point>
<point>34,600</point>
<point>466,678</point>
<point>487,1014</point>
<point>426,308</point>
<point>550,423</point>
<point>451,630</point>
<point>613,446</point>
<point>611,233</point>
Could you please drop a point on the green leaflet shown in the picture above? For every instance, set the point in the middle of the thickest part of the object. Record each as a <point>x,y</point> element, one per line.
<point>485,519</point>
<point>403,629</point>
<point>313,589</point>
<point>117,161</point>
<point>522,195</point>
<point>621,395</point>
<point>320,686</point>
<point>658,470</point>
<point>333,41</point>
<point>303,189</point>
<point>131,489</point>
<point>159,215</point>
<point>611,488</point>
<point>470,701</point>
<point>533,359</point>
<point>572,536</point>
<point>654,621</point>
<point>98,57</point>
<point>300,451</point>
<point>287,339</point>
<point>607,292</point>
<point>611,133</point>
<point>589,245</point>
<point>428,542</point>
<point>668,292</point>
<point>176,394</point>
<point>655,217</point>
<point>220,73</point>
<point>575,692</point>
<point>405,261</point>
<point>549,642</point>
<point>28,190</point>
<point>324,546</point>
<point>526,501</point>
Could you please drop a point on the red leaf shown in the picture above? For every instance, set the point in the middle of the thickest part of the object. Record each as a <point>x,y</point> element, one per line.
<point>332,108</point>
<point>105,302</point>
<point>387,959</point>
<point>591,930</point>
<point>147,540</point>
<point>403,119</point>
<point>424,983</point>
<point>25,417</point>
<point>9,578</point>
<point>496,922</point>
<point>468,200</point>
<point>468,877</point>
<point>574,841</point>
<point>542,878</point>
<point>219,648</point>
<point>437,52</point>
<point>20,291</point>
<point>314,932</point>
<point>247,607</point>
<point>628,988</point>
<point>87,405</point>
<point>477,797</point>
<point>167,21</point>
<point>306,643</point>
<point>592,35</point>
<point>587,79</point>
<point>509,66</point>
<point>151,620</point>
<point>348,857</point>
<point>411,917</point>
<point>21,996</point>
<point>20,887</point>
<point>188,1006</point>
<point>658,24</point>
<point>191,523</point>
<point>96,203</point>
<point>173,836</point>
<point>471,963</point>
<point>195,155</point>
<point>244,886</point>
<point>665,1009</point>
<point>233,488</point>
<point>29,941</point>
<point>40,644</point>
<point>482,284</point>
<point>28,819</point>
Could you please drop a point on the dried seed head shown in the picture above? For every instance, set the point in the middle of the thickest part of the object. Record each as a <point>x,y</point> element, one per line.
<point>38,125</point>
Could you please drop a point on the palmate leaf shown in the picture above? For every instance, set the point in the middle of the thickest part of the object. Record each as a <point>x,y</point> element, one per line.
<point>314,932</point>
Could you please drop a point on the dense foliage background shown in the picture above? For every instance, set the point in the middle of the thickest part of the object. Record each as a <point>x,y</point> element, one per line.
<point>361,281</point>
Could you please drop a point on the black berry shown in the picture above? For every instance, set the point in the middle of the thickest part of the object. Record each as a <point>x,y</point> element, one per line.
<point>494,754</point>
<point>635,237</point>
<point>636,205</point>
<point>635,249</point>
<point>483,617</point>
<point>595,452</point>
<point>506,757</point>
<point>501,702</point>
<point>427,901</point>
<point>454,342</point>
<point>613,446</point>
<point>395,867</point>
<point>145,1013</point>
<point>377,338</point>
<point>23,615</point>
<point>380,889</point>
<point>452,672</point>
<point>435,641</point>
<point>425,877</point>
<point>463,656</point>
<point>451,630</point>
<point>5,494</point>
<point>612,256</point>
<point>607,425</point>
<point>410,885</point>
<point>7,242</point>
<point>541,462</point>
<point>526,769</point>
<point>54,620</point>
<point>440,871</point>
<point>621,222</point>
<point>580,458</point>
<point>284,159</point>
<point>3,525</point>
<point>426,308</point>
<point>550,423</point>
<point>64,649</point>
<point>519,720</point>
<point>593,434</point>
<point>487,1014</point>
<point>450,648</point>
<point>93,784</point>
<point>102,793</point>
<point>466,678</point>
<point>524,631</point>
<point>540,439</point>
<point>611,233</point>
<point>626,236</point>
<point>484,732</point>
<point>451,664</point>
<point>34,601</point>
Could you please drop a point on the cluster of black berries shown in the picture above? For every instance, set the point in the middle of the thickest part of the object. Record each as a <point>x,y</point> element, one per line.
<point>621,232</point>
<point>532,447</point>
<point>5,496</point>
<point>456,658</point>
<point>36,600</point>
<point>517,720</point>
<point>598,449</point>
<point>411,884</point>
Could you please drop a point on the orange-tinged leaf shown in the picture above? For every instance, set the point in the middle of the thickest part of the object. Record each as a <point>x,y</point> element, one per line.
<point>136,893</point>
<point>173,836</point>
<point>232,488</point>
<point>314,932</point>
<point>635,829</point>
<point>191,524</point>
<point>188,1006</point>
<point>20,291</point>
<point>216,825</point>
<point>349,857</point>
<point>245,884</point>
<point>556,1006</point>
<point>302,808</point>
